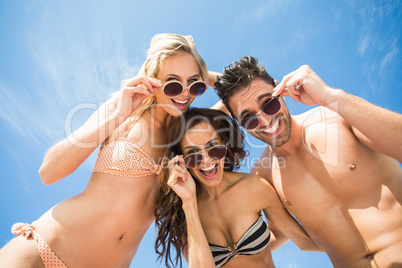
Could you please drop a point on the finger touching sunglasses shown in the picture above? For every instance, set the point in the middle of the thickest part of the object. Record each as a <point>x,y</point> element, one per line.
<point>282,90</point>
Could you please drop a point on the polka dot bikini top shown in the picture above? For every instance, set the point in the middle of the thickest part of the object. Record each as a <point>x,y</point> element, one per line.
<point>123,157</point>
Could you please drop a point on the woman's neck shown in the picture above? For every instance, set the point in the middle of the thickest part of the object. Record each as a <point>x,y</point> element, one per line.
<point>214,192</point>
<point>160,118</point>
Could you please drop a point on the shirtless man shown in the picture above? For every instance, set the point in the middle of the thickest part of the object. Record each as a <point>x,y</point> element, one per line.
<point>335,167</point>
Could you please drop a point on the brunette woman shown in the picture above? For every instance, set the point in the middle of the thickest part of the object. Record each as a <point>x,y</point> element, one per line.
<point>207,211</point>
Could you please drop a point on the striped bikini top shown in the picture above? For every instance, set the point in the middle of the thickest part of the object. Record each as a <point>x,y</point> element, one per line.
<point>123,157</point>
<point>253,241</point>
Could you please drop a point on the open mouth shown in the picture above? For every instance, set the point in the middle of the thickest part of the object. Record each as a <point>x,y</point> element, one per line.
<point>180,104</point>
<point>274,129</point>
<point>209,172</point>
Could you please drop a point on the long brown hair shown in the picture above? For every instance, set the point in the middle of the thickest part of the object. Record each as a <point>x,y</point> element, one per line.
<point>170,218</point>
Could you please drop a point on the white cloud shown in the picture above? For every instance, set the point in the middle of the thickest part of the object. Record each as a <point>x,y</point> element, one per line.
<point>266,9</point>
<point>364,43</point>
<point>391,55</point>
<point>17,110</point>
<point>373,13</point>
<point>68,70</point>
<point>378,27</point>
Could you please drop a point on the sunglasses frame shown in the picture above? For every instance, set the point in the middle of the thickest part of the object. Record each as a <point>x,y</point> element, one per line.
<point>184,88</point>
<point>207,152</point>
<point>262,111</point>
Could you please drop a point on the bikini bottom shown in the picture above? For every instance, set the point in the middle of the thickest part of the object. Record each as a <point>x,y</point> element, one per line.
<point>49,258</point>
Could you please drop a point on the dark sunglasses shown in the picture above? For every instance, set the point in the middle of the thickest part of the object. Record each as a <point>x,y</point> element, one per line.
<point>216,153</point>
<point>175,88</point>
<point>270,107</point>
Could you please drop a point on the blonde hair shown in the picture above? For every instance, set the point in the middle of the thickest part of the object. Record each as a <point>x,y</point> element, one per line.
<point>162,47</point>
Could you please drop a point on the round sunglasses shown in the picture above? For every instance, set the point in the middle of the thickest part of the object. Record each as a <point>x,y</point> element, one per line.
<point>175,88</point>
<point>270,107</point>
<point>216,153</point>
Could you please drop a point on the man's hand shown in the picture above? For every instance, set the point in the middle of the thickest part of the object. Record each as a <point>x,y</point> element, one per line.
<point>306,86</point>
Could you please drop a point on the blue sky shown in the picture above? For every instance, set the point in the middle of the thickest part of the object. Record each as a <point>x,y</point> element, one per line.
<point>61,59</point>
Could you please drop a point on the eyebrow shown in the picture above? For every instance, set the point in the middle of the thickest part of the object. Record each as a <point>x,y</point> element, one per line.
<point>177,76</point>
<point>259,99</point>
<point>196,147</point>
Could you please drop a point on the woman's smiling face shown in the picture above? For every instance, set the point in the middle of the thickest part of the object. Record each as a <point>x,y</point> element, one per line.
<point>198,139</point>
<point>183,68</point>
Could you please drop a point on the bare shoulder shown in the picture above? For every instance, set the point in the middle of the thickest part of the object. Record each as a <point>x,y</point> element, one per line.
<point>258,189</point>
<point>255,183</point>
<point>317,114</point>
<point>319,117</point>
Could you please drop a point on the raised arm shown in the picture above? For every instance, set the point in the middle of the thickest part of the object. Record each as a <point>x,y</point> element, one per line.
<point>212,78</point>
<point>197,251</point>
<point>278,238</point>
<point>376,127</point>
<point>219,105</point>
<point>67,155</point>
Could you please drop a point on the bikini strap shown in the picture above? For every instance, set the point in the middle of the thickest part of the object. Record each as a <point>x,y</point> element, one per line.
<point>132,123</point>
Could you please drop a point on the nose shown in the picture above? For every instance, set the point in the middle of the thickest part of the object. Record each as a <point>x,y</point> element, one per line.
<point>264,119</point>
<point>186,93</point>
<point>206,160</point>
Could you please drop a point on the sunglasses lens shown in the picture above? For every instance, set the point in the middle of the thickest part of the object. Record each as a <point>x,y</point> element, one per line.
<point>272,107</point>
<point>250,122</point>
<point>173,89</point>
<point>193,161</point>
<point>217,152</point>
<point>197,89</point>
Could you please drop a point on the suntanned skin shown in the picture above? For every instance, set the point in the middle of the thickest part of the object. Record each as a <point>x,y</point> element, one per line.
<point>336,169</point>
<point>103,225</point>
<point>222,208</point>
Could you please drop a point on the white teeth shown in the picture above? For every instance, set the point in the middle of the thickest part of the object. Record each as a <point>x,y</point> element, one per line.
<point>181,102</point>
<point>273,128</point>
<point>208,168</point>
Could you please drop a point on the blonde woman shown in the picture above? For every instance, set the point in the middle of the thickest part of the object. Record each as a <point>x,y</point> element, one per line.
<point>103,225</point>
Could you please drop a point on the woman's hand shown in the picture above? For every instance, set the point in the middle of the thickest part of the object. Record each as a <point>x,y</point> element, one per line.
<point>132,93</point>
<point>180,180</point>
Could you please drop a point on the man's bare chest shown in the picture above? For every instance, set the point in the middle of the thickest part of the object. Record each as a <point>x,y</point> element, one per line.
<point>309,180</point>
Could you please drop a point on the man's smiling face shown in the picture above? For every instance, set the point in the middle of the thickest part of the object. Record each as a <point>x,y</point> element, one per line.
<point>272,129</point>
